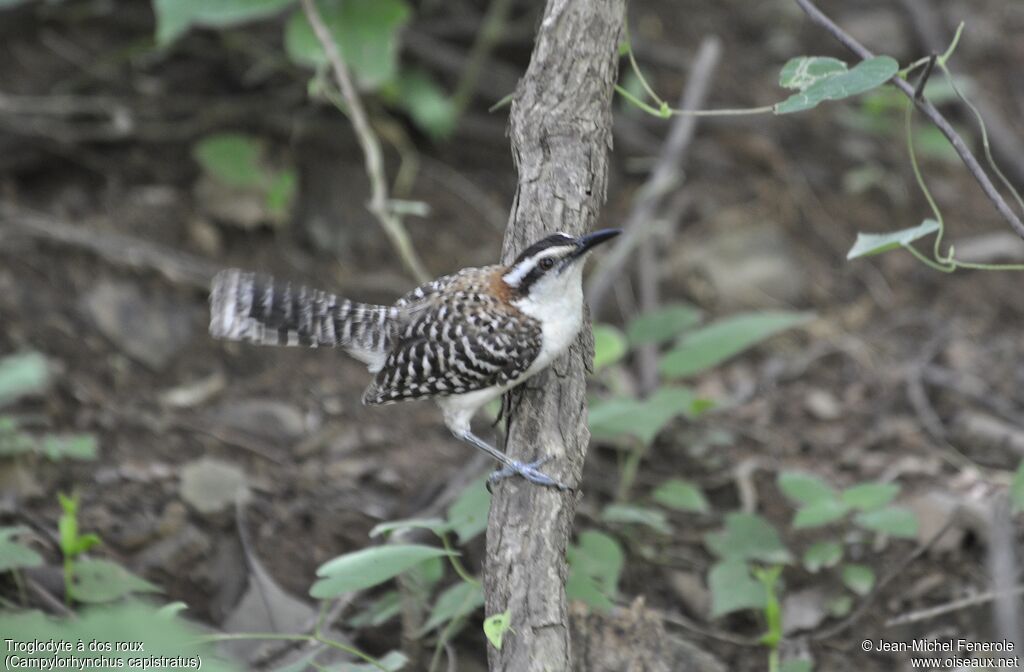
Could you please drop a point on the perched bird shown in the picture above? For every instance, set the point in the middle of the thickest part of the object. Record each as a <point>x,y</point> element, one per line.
<point>462,340</point>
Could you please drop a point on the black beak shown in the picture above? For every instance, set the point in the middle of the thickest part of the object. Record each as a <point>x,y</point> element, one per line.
<point>591,240</point>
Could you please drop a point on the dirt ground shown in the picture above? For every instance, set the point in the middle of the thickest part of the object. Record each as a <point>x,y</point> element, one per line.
<point>906,373</point>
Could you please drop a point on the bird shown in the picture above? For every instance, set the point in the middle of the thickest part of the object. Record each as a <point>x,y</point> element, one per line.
<point>461,340</point>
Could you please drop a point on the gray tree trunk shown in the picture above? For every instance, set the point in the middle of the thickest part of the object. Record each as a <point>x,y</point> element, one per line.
<point>561,130</point>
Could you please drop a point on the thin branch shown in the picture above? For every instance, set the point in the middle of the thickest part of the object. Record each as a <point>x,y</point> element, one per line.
<point>929,110</point>
<point>370,144</point>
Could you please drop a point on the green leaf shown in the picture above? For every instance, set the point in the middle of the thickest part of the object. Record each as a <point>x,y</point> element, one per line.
<point>174,17</point>
<point>458,600</point>
<point>733,589</point>
<point>641,418</point>
<point>595,565</point>
<point>426,102</point>
<point>832,83</point>
<point>680,495</point>
<point>12,441</point>
<point>823,554</point>
<point>435,525</point>
<point>392,661</point>
<point>379,612</point>
<point>868,496</point>
<point>803,71</point>
<point>804,488</point>
<point>820,513</point>
<point>369,567</point>
<point>895,521</point>
<point>859,578</point>
<point>496,626</point>
<point>585,589</point>
<point>796,665</point>
<point>14,555</point>
<point>365,31</point>
<point>76,446</point>
<point>662,325</point>
<point>232,158</point>
<point>281,192</point>
<point>163,638</point>
<point>105,581</point>
<point>467,516</point>
<point>609,346</point>
<point>21,375</point>
<point>868,244</point>
<point>748,536</point>
<point>1017,489</point>
<point>637,515</point>
<point>710,346</point>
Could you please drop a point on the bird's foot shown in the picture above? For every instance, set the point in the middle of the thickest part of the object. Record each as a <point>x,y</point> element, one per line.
<point>527,470</point>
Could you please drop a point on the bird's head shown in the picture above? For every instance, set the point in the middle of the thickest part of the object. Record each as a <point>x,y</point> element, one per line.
<point>553,265</point>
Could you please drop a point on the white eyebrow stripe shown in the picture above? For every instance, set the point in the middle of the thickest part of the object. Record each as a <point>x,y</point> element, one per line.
<point>514,277</point>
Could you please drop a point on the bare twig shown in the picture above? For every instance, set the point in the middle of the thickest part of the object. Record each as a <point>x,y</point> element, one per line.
<point>1002,568</point>
<point>370,144</point>
<point>949,607</point>
<point>487,37</point>
<point>929,110</point>
<point>664,179</point>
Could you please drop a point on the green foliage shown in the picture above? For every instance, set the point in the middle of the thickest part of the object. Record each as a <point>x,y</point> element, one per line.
<point>467,516</point>
<point>174,17</point>
<point>595,564</point>
<point>869,496</point>
<point>662,325</point>
<point>496,626</point>
<point>818,79</point>
<point>819,504</point>
<point>98,580</point>
<point>704,348</point>
<point>632,514</point>
<point>1017,488</point>
<point>823,554</point>
<point>769,578</point>
<point>804,488</point>
<point>72,542</point>
<point>22,375</point>
<point>610,346</point>
<point>868,244</point>
<point>733,589</point>
<point>642,418</point>
<point>161,634</point>
<point>859,578</point>
<point>239,160</point>
<point>681,495</point>
<point>380,611</point>
<point>895,521</point>
<point>796,665</point>
<point>14,442</point>
<point>416,92</point>
<point>14,555</point>
<point>369,567</point>
<point>748,536</point>
<point>366,32</point>
<point>457,601</point>
<point>820,513</point>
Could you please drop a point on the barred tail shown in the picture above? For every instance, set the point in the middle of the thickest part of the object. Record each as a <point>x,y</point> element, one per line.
<point>252,307</point>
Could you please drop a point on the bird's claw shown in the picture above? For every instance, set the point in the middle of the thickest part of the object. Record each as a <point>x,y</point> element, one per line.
<point>527,470</point>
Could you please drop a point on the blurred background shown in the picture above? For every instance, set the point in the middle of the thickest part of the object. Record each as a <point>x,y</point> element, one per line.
<point>145,146</point>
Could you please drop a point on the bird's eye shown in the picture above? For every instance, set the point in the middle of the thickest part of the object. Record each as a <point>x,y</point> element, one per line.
<point>546,263</point>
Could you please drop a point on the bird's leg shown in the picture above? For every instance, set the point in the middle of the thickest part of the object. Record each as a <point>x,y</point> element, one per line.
<point>511,467</point>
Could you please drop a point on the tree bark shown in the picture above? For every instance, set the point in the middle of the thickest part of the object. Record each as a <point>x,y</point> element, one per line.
<point>561,131</point>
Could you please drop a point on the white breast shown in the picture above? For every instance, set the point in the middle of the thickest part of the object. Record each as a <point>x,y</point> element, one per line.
<point>560,313</point>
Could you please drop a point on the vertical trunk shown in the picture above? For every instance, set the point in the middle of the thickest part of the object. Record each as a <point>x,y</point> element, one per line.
<point>561,130</point>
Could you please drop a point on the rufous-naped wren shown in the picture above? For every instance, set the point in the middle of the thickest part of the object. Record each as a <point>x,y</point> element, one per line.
<point>462,340</point>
